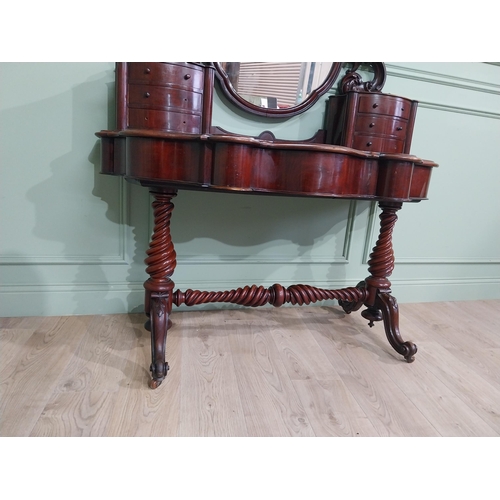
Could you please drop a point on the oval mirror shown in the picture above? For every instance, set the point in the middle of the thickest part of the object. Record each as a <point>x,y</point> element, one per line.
<point>276,89</point>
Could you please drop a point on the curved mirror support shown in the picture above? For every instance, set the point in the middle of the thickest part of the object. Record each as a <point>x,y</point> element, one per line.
<point>353,81</point>
<point>276,89</point>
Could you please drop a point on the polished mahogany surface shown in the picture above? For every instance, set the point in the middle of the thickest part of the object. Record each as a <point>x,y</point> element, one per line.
<point>371,122</point>
<point>165,140</point>
<point>263,166</point>
<point>164,135</point>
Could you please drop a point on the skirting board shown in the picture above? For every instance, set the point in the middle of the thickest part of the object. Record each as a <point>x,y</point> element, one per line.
<point>69,300</point>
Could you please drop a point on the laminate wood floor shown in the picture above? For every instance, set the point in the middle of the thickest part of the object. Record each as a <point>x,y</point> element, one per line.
<point>310,371</point>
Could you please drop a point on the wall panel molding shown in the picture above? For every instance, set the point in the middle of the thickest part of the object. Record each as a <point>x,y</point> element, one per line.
<point>71,260</point>
<point>458,109</point>
<point>437,260</point>
<point>464,280</point>
<point>72,287</point>
<point>252,259</point>
<point>372,234</point>
<point>436,78</point>
<point>120,258</point>
<point>248,260</point>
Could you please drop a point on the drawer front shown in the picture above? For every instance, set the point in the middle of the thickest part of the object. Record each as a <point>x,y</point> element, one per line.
<point>366,142</point>
<point>382,104</point>
<point>381,125</point>
<point>155,97</point>
<point>164,120</point>
<point>185,76</point>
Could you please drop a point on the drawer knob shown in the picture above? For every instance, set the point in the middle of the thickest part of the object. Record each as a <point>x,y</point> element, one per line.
<point>375,105</point>
<point>147,71</point>
<point>372,124</point>
<point>402,109</point>
<point>187,77</point>
<point>369,143</point>
<point>146,94</point>
<point>399,128</point>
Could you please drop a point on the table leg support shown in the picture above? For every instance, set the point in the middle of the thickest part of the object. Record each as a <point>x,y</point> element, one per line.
<point>161,306</point>
<point>388,307</point>
<point>160,262</point>
<point>381,305</point>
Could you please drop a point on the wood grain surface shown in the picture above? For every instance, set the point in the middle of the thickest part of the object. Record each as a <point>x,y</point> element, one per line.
<point>293,371</point>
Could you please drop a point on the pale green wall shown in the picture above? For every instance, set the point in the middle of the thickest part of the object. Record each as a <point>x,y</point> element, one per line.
<point>73,241</point>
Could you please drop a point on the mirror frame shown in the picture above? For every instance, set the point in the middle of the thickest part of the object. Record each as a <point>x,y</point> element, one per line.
<point>312,98</point>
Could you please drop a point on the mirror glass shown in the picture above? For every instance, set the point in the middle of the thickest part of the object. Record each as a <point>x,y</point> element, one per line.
<point>275,85</point>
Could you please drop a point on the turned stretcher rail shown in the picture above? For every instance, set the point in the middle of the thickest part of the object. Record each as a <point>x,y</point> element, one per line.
<point>276,295</point>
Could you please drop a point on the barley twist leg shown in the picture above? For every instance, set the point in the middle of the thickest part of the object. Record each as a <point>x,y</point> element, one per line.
<point>381,305</point>
<point>160,262</point>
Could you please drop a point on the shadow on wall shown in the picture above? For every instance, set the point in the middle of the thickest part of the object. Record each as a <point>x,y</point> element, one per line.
<point>91,231</point>
<point>81,214</point>
<point>229,228</point>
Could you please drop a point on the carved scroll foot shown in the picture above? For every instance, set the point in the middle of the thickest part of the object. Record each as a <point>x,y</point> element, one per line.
<point>161,305</point>
<point>390,314</point>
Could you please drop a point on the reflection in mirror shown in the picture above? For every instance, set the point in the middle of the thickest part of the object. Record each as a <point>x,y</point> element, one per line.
<point>276,85</point>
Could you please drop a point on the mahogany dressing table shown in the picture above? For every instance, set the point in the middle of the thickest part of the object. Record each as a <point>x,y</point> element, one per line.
<point>165,141</point>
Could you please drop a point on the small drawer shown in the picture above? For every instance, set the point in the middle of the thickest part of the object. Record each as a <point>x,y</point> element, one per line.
<point>381,125</point>
<point>366,142</point>
<point>164,120</point>
<point>382,104</point>
<point>183,75</point>
<point>155,97</point>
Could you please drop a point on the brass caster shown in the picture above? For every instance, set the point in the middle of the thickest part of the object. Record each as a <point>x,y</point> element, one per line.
<point>155,383</point>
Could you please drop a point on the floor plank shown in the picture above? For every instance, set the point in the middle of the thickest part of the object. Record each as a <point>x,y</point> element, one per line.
<point>210,398</point>
<point>45,354</point>
<point>358,360</point>
<point>332,409</point>
<point>303,371</point>
<point>270,402</point>
<point>139,411</point>
<point>75,414</point>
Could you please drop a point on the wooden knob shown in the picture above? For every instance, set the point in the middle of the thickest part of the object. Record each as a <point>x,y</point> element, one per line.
<point>399,128</point>
<point>147,70</point>
<point>146,94</point>
<point>375,105</point>
<point>369,143</point>
<point>372,124</point>
<point>187,77</point>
